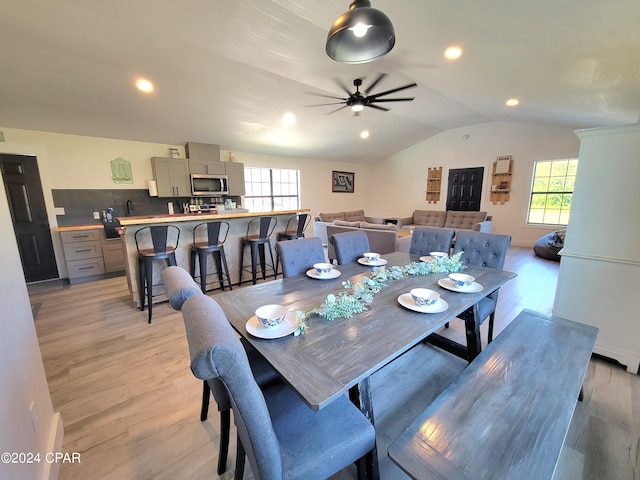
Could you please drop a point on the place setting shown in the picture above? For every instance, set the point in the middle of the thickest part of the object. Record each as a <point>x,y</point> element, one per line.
<point>323,271</point>
<point>372,259</point>
<point>423,300</point>
<point>434,257</point>
<point>460,282</point>
<point>272,321</point>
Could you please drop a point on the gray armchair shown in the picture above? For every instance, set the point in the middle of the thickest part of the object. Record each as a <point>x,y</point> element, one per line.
<point>349,246</point>
<point>279,434</point>
<point>298,256</point>
<point>431,239</point>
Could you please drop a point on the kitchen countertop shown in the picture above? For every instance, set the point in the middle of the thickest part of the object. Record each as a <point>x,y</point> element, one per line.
<point>178,217</point>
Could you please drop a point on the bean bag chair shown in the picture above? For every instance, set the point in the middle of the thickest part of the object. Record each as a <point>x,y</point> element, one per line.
<point>549,245</point>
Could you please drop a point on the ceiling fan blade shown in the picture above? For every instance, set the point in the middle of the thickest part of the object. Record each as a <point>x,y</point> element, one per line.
<point>334,111</point>
<point>342,86</point>
<point>375,82</point>
<point>324,104</point>
<point>376,100</point>
<point>326,96</point>
<point>377,107</point>
<point>372,97</point>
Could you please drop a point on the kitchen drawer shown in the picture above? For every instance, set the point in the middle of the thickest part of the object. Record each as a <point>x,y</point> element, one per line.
<point>81,236</point>
<point>85,268</point>
<point>82,250</point>
<point>113,256</point>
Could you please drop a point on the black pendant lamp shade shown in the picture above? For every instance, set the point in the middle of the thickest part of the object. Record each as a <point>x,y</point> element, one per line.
<point>360,35</point>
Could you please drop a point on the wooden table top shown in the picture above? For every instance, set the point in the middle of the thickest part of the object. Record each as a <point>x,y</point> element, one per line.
<point>333,356</point>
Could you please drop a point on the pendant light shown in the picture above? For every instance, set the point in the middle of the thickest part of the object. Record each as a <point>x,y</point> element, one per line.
<point>360,35</point>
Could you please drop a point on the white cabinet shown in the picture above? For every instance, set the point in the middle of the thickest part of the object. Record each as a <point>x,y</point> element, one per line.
<point>171,176</point>
<point>600,261</point>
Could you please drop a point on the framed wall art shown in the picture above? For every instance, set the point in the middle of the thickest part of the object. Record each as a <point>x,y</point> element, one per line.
<point>343,182</point>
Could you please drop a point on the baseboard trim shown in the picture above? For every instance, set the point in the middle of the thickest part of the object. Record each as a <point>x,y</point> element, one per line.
<point>54,444</point>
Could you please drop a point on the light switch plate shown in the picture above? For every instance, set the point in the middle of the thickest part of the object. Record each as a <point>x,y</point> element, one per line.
<point>59,210</point>
<point>96,215</point>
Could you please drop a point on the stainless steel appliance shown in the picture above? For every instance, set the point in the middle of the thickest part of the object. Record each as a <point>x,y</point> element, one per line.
<point>209,185</point>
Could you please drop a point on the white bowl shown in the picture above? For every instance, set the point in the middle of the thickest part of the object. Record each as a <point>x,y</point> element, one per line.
<point>424,297</point>
<point>438,255</point>
<point>271,315</point>
<point>323,269</point>
<point>371,257</point>
<point>460,280</point>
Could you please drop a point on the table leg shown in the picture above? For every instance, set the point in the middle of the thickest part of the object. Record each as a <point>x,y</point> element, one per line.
<point>361,397</point>
<point>472,327</point>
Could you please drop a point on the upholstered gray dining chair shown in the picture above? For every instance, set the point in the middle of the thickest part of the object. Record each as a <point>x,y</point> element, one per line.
<point>298,256</point>
<point>431,239</point>
<point>483,250</point>
<point>349,246</point>
<point>180,287</point>
<point>280,435</point>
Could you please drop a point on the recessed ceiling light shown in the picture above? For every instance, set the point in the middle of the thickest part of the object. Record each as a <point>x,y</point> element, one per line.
<point>364,134</point>
<point>512,102</point>
<point>289,119</point>
<point>453,53</point>
<point>144,85</point>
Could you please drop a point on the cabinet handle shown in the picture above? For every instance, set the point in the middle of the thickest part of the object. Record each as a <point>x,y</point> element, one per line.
<point>80,236</point>
<point>86,268</point>
<point>82,251</point>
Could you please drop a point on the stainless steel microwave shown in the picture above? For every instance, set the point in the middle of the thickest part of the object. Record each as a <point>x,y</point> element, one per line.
<point>209,185</point>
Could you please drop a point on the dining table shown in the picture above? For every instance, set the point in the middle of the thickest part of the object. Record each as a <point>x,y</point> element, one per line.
<point>338,357</point>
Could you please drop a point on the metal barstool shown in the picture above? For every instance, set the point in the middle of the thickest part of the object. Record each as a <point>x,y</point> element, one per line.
<point>216,235</point>
<point>258,235</point>
<point>295,228</point>
<point>154,243</point>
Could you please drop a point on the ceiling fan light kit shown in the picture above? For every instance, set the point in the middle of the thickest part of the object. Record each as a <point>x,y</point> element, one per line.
<point>360,35</point>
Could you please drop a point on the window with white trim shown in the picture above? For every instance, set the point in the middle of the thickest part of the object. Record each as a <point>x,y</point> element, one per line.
<point>552,191</point>
<point>271,189</point>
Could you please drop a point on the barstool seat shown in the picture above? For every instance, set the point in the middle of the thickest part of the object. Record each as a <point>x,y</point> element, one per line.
<point>157,242</point>
<point>258,236</point>
<point>216,235</point>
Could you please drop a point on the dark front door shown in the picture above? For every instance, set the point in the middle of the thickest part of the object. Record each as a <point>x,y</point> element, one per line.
<point>29,215</point>
<point>465,189</point>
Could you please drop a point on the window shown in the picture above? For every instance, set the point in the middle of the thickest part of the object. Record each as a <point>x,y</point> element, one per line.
<point>271,189</point>
<point>552,191</point>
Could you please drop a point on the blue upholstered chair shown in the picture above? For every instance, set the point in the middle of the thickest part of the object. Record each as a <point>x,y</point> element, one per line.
<point>180,287</point>
<point>483,250</point>
<point>349,246</point>
<point>431,239</point>
<point>298,256</point>
<point>280,435</point>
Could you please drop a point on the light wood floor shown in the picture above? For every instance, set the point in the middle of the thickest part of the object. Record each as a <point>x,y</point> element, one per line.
<point>130,404</point>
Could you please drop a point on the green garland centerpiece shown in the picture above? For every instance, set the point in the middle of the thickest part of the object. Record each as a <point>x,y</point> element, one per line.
<point>357,296</point>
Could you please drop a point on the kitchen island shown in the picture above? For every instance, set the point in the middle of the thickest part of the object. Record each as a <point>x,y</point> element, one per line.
<point>238,223</point>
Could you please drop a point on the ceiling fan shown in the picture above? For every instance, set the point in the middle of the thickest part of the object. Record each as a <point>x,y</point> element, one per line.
<point>358,100</point>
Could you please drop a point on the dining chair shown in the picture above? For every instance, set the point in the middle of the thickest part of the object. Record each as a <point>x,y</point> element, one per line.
<point>279,434</point>
<point>431,239</point>
<point>298,256</point>
<point>483,250</point>
<point>209,238</point>
<point>349,246</point>
<point>180,287</point>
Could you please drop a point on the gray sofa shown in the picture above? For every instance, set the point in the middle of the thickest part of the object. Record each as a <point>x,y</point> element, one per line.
<point>382,238</point>
<point>477,221</point>
<point>323,219</point>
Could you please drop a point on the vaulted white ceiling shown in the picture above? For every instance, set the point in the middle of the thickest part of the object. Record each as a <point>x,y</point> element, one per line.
<point>226,71</point>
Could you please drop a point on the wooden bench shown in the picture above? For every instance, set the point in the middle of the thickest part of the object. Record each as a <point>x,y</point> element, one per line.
<point>507,414</point>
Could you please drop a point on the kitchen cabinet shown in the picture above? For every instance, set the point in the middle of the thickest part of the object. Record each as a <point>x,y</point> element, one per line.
<point>113,255</point>
<point>171,176</point>
<point>82,253</point>
<point>208,167</point>
<point>235,175</point>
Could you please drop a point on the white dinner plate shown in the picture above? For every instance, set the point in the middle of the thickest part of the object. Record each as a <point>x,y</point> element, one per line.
<point>426,258</point>
<point>377,263</point>
<point>287,327</point>
<point>406,300</point>
<point>448,284</point>
<point>329,276</point>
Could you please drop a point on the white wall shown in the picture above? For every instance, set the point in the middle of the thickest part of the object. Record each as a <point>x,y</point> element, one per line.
<point>399,184</point>
<point>22,376</point>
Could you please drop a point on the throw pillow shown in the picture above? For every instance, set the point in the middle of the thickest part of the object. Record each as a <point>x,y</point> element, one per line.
<point>377,226</point>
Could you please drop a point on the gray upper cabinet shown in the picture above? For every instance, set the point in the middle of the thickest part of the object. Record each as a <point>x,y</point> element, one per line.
<point>208,167</point>
<point>235,174</point>
<point>172,176</point>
